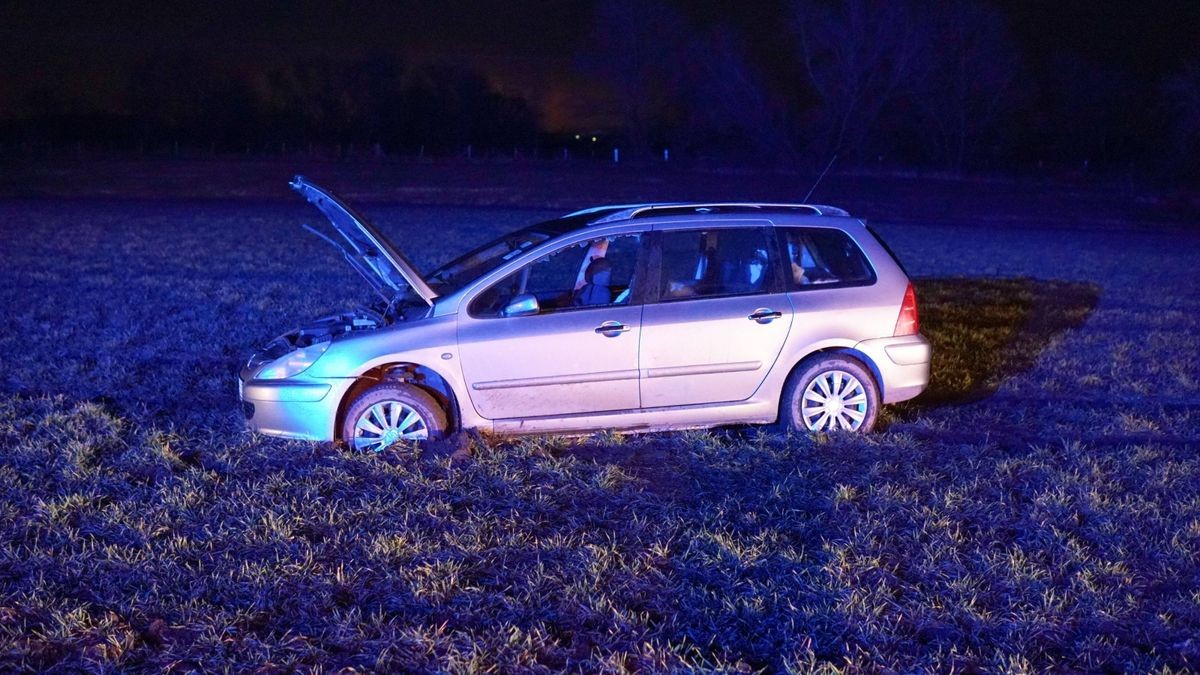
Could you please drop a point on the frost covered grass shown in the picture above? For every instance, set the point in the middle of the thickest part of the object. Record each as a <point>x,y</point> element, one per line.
<point>1038,509</point>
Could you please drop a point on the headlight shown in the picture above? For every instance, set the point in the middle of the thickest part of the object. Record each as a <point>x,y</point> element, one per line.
<point>293,363</point>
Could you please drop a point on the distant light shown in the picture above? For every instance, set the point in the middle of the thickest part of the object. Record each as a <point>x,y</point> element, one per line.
<point>593,139</point>
<point>576,136</point>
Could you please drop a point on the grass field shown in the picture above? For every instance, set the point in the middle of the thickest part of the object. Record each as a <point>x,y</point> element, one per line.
<point>1037,509</point>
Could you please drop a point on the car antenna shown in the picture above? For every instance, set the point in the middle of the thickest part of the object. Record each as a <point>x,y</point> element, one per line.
<point>818,181</point>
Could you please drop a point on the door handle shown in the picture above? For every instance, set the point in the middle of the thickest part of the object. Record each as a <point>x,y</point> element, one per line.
<point>612,328</point>
<point>764,315</point>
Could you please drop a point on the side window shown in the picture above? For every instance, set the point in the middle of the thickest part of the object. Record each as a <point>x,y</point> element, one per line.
<point>716,262</point>
<point>588,274</point>
<point>823,258</point>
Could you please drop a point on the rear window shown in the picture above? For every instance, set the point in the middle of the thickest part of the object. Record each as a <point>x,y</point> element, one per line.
<point>822,258</point>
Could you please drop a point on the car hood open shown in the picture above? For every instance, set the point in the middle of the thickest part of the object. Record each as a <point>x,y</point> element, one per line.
<point>368,251</point>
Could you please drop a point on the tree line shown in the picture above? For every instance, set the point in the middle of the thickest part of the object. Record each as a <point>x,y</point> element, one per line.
<point>902,83</point>
<point>897,84</point>
<point>374,102</point>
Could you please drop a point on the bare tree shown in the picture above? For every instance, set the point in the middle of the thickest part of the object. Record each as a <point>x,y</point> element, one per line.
<point>633,48</point>
<point>167,95</point>
<point>1090,110</point>
<point>730,105</point>
<point>968,77</point>
<point>1183,105</point>
<point>858,57</point>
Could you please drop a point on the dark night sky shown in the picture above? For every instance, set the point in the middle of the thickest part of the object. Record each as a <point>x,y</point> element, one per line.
<point>82,51</point>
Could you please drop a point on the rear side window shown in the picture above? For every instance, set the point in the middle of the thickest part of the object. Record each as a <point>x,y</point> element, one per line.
<point>717,262</point>
<point>822,258</point>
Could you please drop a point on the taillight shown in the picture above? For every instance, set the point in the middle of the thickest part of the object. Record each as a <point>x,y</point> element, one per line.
<point>908,323</point>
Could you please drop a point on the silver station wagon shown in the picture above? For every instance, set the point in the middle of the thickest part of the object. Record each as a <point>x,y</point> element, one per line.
<point>638,317</point>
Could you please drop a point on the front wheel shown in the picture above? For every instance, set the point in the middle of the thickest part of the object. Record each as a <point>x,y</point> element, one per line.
<point>830,393</point>
<point>392,412</point>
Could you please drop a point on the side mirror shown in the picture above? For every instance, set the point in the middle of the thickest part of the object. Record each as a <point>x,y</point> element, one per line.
<point>524,304</point>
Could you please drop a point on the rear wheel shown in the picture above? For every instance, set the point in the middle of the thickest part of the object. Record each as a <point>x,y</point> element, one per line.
<point>830,393</point>
<point>392,412</point>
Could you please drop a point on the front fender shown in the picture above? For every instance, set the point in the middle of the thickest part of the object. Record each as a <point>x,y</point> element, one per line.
<point>430,343</point>
<point>355,353</point>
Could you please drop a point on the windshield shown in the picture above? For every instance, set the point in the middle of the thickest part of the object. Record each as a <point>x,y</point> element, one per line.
<point>459,272</point>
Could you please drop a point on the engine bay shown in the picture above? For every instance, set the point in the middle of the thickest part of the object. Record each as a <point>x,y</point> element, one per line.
<point>321,330</point>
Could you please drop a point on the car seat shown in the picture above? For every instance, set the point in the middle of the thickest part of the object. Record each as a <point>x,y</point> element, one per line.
<point>596,290</point>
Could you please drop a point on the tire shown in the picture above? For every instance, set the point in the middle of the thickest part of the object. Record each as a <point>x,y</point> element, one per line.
<point>835,378</point>
<point>384,414</point>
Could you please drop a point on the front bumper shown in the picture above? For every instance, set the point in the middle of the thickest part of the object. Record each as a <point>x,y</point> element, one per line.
<point>289,408</point>
<point>902,363</point>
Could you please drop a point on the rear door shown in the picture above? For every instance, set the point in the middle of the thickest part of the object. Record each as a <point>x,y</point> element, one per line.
<point>718,318</point>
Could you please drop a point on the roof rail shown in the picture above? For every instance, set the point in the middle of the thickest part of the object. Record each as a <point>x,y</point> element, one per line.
<point>620,207</point>
<point>650,210</point>
<point>827,210</point>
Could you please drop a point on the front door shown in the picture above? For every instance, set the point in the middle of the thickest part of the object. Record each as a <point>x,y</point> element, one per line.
<point>720,321</point>
<point>576,353</point>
